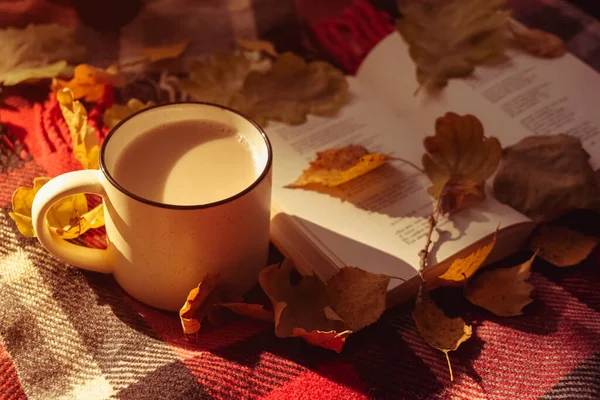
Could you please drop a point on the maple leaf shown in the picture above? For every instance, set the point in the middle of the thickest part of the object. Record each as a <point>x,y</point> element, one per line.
<point>302,309</point>
<point>89,82</point>
<point>158,53</point>
<point>84,137</point>
<point>458,160</point>
<point>118,112</point>
<point>293,88</point>
<point>358,296</point>
<point>68,217</point>
<point>562,246</point>
<point>558,177</point>
<point>536,41</point>
<point>440,331</point>
<point>462,269</point>
<point>334,167</point>
<point>503,291</point>
<point>258,45</point>
<point>199,303</point>
<point>447,39</point>
<point>35,52</point>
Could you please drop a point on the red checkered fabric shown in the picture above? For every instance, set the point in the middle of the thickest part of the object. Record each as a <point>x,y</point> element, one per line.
<point>71,334</point>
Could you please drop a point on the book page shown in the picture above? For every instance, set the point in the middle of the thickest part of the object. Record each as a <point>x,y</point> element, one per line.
<point>524,96</point>
<point>377,222</point>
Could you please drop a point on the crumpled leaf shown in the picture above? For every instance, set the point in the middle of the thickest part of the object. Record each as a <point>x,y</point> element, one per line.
<point>558,177</point>
<point>85,139</point>
<point>199,303</point>
<point>503,291</point>
<point>158,53</point>
<point>118,112</point>
<point>562,246</point>
<point>334,167</point>
<point>69,217</point>
<point>536,41</point>
<point>89,82</point>
<point>458,160</point>
<point>301,309</point>
<point>35,52</point>
<point>258,45</point>
<point>447,39</point>
<point>255,311</point>
<point>358,296</point>
<point>440,331</point>
<point>463,268</point>
<point>293,88</point>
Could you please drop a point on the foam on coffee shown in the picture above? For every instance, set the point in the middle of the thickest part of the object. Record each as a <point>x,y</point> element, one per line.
<point>187,163</point>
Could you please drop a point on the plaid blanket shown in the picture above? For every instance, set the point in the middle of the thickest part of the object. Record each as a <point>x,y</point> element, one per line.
<point>71,334</point>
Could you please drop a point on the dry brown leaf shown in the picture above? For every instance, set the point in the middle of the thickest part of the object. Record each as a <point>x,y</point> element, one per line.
<point>440,331</point>
<point>503,291</point>
<point>89,82</point>
<point>358,296</point>
<point>85,139</point>
<point>158,53</point>
<point>255,311</point>
<point>536,41</point>
<point>463,268</point>
<point>458,160</point>
<point>562,246</point>
<point>300,309</point>
<point>199,303</point>
<point>258,45</point>
<point>334,167</point>
<point>118,112</point>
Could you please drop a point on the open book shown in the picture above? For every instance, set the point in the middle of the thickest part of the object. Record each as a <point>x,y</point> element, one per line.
<point>378,222</point>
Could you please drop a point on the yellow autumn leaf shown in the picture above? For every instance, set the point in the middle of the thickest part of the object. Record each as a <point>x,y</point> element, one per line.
<point>69,217</point>
<point>503,291</point>
<point>85,140</point>
<point>537,41</point>
<point>562,246</point>
<point>89,82</point>
<point>33,74</point>
<point>334,167</point>
<point>166,52</point>
<point>458,160</point>
<point>198,304</point>
<point>439,330</point>
<point>258,45</point>
<point>463,268</point>
<point>118,112</point>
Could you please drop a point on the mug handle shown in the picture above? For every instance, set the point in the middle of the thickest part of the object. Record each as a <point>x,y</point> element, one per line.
<point>68,184</point>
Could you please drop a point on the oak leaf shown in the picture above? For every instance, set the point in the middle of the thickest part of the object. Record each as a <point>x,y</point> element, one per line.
<point>118,112</point>
<point>84,137</point>
<point>537,41</point>
<point>562,246</point>
<point>89,82</point>
<point>358,296</point>
<point>199,303</point>
<point>334,167</point>
<point>546,176</point>
<point>462,269</point>
<point>158,53</point>
<point>439,330</point>
<point>35,52</point>
<point>458,160</point>
<point>447,39</point>
<point>69,217</point>
<point>503,291</point>
<point>258,45</point>
<point>293,88</point>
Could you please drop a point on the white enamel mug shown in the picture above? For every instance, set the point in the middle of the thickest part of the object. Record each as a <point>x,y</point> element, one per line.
<point>159,252</point>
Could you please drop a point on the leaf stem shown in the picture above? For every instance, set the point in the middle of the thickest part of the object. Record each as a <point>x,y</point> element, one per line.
<point>407,163</point>
<point>449,365</point>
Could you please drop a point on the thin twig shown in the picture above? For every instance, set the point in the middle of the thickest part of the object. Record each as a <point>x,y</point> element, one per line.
<point>407,163</point>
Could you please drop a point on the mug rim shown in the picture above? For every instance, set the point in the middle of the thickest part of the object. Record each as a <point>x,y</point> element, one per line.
<point>236,196</point>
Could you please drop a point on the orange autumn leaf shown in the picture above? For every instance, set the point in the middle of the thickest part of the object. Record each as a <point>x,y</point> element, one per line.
<point>537,41</point>
<point>258,45</point>
<point>88,82</point>
<point>334,167</point>
<point>562,246</point>
<point>331,340</point>
<point>199,302</point>
<point>159,53</point>
<point>458,160</point>
<point>463,268</point>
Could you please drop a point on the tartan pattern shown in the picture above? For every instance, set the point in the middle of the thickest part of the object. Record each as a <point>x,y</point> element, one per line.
<point>68,333</point>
